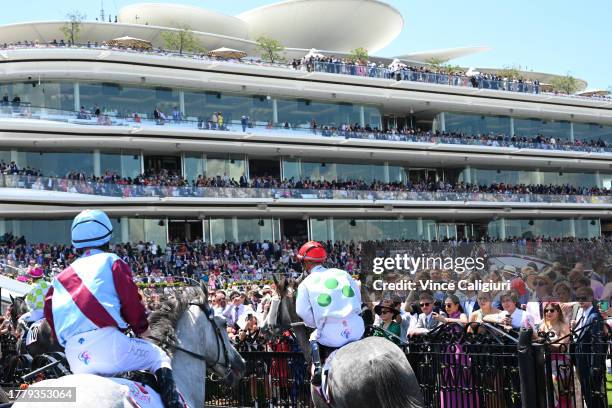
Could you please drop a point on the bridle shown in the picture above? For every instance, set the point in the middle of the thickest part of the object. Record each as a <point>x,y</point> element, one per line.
<point>209,313</point>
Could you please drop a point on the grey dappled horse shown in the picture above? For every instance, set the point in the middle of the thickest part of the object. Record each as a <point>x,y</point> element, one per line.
<point>372,372</point>
<point>201,340</point>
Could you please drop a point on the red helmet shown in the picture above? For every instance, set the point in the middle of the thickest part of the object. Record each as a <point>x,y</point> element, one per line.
<point>312,251</point>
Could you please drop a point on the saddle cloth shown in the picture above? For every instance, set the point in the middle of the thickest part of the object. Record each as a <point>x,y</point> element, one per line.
<point>33,331</point>
<point>323,390</point>
<point>141,396</point>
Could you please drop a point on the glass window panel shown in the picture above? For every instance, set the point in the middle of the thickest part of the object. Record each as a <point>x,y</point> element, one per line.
<point>126,163</point>
<point>319,229</point>
<point>299,113</point>
<point>49,231</point>
<point>531,127</point>
<point>291,169</point>
<point>51,95</point>
<point>548,228</point>
<point>232,165</point>
<point>125,100</point>
<point>58,164</point>
<point>592,131</point>
<point>373,117</point>
<point>476,124</point>
<point>194,166</point>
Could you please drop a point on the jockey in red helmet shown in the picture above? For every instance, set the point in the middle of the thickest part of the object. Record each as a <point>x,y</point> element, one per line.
<point>329,300</point>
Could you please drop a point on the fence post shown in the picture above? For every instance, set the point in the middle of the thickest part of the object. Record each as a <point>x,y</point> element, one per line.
<point>526,363</point>
<point>541,383</point>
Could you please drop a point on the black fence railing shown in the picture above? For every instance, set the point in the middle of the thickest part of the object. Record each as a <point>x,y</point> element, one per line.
<point>272,379</point>
<point>456,367</point>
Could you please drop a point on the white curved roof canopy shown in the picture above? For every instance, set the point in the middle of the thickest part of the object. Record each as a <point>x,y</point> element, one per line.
<point>339,25</point>
<point>179,16</point>
<point>444,55</point>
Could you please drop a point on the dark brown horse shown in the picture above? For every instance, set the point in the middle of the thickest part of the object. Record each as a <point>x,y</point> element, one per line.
<point>372,372</point>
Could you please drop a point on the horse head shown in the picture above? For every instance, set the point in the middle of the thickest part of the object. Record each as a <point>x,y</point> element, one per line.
<point>18,307</point>
<point>283,316</point>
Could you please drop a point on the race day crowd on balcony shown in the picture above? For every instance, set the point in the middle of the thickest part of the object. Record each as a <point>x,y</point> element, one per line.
<point>166,183</point>
<point>349,65</point>
<point>108,116</point>
<point>555,299</point>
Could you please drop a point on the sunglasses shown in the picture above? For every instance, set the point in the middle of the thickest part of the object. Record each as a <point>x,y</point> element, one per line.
<point>424,304</point>
<point>447,305</point>
<point>483,300</point>
<point>385,312</point>
<point>549,310</point>
<point>539,283</point>
<point>582,299</point>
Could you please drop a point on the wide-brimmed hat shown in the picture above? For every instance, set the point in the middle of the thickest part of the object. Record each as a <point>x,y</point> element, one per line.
<point>547,274</point>
<point>386,304</point>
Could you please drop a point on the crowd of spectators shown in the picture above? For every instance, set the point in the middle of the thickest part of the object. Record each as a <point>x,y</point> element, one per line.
<point>239,278</point>
<point>168,184</point>
<point>348,66</point>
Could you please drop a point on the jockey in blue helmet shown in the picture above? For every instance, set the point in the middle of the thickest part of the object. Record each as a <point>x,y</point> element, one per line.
<point>93,301</point>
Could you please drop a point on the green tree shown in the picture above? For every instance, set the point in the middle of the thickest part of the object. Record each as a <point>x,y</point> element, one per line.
<point>511,72</point>
<point>270,49</point>
<point>72,28</point>
<point>181,40</point>
<point>359,55</point>
<point>565,84</point>
<point>436,64</point>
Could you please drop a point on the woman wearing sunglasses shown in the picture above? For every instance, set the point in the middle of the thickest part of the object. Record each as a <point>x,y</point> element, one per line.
<point>454,311</point>
<point>554,329</point>
<point>387,314</point>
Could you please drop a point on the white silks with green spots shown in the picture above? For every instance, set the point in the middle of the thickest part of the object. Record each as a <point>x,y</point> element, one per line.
<point>35,299</point>
<point>329,300</point>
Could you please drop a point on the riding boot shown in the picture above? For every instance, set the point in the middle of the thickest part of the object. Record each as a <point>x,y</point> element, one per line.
<point>167,389</point>
<point>316,362</point>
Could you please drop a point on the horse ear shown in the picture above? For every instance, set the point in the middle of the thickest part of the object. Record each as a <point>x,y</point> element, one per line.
<point>12,298</point>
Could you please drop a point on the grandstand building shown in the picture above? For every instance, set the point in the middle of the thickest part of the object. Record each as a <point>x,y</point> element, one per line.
<point>89,109</point>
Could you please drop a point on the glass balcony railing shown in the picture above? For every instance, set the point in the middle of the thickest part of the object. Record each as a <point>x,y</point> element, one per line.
<point>126,191</point>
<point>113,118</point>
<point>372,70</point>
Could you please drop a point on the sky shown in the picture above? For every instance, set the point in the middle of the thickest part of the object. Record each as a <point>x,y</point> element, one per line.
<point>552,36</point>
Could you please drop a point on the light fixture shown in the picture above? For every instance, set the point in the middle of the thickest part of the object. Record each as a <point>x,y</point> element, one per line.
<point>352,222</point>
<point>261,223</point>
<point>161,223</point>
<point>593,222</point>
<point>323,164</point>
<point>530,222</point>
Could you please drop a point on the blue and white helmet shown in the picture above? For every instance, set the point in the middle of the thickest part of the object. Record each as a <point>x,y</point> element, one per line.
<point>91,228</point>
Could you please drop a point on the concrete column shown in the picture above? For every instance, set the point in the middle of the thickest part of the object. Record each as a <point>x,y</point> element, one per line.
<point>538,176</point>
<point>572,131</point>
<point>362,116</point>
<point>182,103</point>
<point>15,157</point>
<point>511,126</point>
<point>467,174</point>
<point>125,230</point>
<point>572,227</point>
<point>502,228</point>
<point>96,163</point>
<point>420,228</point>
<point>598,181</point>
<point>330,229</point>
<point>442,122</point>
<point>386,172</point>
<point>234,229</point>
<point>274,111</point>
<point>2,226</point>
<point>77,97</point>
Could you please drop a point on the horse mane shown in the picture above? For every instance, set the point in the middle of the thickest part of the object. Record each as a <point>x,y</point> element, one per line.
<point>162,322</point>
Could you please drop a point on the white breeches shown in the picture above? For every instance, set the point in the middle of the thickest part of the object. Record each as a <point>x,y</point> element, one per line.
<point>337,333</point>
<point>107,351</point>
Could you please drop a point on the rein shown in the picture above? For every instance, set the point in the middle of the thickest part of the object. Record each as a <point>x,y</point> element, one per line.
<point>220,344</point>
